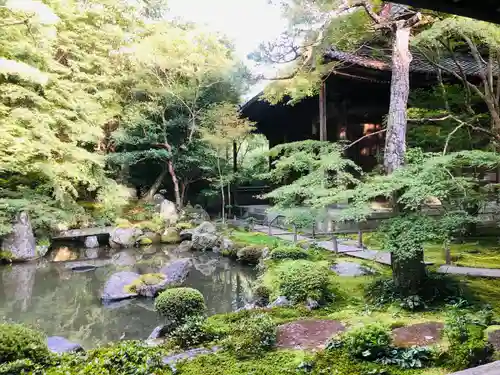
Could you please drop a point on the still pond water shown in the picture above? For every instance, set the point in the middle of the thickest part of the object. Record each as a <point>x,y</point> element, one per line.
<point>62,302</point>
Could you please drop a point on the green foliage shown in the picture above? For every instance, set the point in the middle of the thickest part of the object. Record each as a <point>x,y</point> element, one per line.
<point>261,294</point>
<point>250,254</point>
<point>288,252</point>
<point>126,357</point>
<point>146,279</point>
<point>18,342</point>
<point>299,280</point>
<point>194,331</point>
<point>178,304</point>
<point>367,342</point>
<point>252,337</point>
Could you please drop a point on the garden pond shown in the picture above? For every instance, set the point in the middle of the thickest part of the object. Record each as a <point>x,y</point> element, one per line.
<point>51,296</point>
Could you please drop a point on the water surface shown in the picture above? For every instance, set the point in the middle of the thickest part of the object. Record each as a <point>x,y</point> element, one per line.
<point>61,302</point>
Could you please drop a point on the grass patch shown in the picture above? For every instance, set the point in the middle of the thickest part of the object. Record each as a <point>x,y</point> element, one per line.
<point>256,238</point>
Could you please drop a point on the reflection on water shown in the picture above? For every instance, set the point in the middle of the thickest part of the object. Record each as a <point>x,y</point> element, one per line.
<point>66,303</point>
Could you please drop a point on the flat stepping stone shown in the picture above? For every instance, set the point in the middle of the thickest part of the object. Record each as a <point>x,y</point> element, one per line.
<point>421,334</point>
<point>489,369</point>
<point>351,269</point>
<point>61,345</point>
<point>470,271</point>
<point>307,334</point>
<point>494,337</point>
<point>114,289</point>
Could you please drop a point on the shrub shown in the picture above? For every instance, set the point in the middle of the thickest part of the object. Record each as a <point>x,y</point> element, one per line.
<point>261,294</point>
<point>147,279</point>
<point>471,353</point>
<point>178,304</point>
<point>194,331</point>
<point>250,254</point>
<point>252,337</point>
<point>18,342</point>
<point>288,253</point>
<point>299,280</point>
<point>369,342</point>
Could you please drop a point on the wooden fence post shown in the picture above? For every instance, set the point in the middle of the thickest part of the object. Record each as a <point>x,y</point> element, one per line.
<point>335,244</point>
<point>360,239</point>
<point>294,233</point>
<point>447,253</point>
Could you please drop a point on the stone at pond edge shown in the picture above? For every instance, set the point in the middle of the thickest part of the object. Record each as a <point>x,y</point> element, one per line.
<point>114,289</point>
<point>61,345</point>
<point>186,235</point>
<point>307,334</point>
<point>175,272</point>
<point>124,237</point>
<point>351,269</point>
<point>187,355</point>
<point>21,241</point>
<point>280,302</point>
<point>91,242</point>
<point>184,246</point>
<point>158,333</point>
<point>205,227</point>
<point>170,236</point>
<point>493,334</point>
<point>168,212</point>
<point>312,304</point>
<point>204,241</point>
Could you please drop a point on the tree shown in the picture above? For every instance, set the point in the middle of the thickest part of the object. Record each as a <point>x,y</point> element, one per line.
<point>223,127</point>
<point>60,85</point>
<point>181,72</point>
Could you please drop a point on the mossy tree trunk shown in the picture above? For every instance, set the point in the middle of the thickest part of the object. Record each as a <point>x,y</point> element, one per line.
<point>408,272</point>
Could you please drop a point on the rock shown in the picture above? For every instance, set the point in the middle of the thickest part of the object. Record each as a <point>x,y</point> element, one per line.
<point>351,269</point>
<point>184,246</point>
<point>420,334</point>
<point>175,272</point>
<point>307,334</point>
<point>186,235</point>
<point>114,289</point>
<point>312,304</point>
<point>154,237</point>
<point>204,241</point>
<point>248,306</point>
<point>265,253</point>
<point>157,201</point>
<point>61,345</point>
<point>92,253</point>
<point>41,250</point>
<point>196,213</point>
<point>21,241</point>
<point>187,355</point>
<point>124,259</point>
<point>124,237</point>
<point>205,227</point>
<point>144,241</point>
<point>170,236</point>
<point>168,212</point>
<point>91,242</point>
<point>226,244</point>
<point>280,302</point>
<point>158,333</point>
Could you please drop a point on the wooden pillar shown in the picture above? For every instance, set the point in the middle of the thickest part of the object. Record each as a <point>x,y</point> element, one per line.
<point>235,157</point>
<point>322,113</point>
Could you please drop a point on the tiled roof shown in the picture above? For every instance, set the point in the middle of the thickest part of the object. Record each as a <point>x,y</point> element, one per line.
<point>419,63</point>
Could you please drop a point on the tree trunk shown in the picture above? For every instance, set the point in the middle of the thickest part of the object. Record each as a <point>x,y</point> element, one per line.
<point>173,176</point>
<point>408,273</point>
<point>154,188</point>
<point>222,191</point>
<point>395,141</point>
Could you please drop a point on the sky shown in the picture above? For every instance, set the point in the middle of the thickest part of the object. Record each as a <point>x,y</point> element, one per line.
<point>247,22</point>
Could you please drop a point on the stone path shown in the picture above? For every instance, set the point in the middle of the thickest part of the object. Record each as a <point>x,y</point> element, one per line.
<point>307,334</point>
<point>421,334</point>
<point>381,257</point>
<point>489,369</point>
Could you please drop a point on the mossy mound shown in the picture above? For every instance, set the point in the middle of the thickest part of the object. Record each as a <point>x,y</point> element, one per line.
<point>18,342</point>
<point>146,279</point>
<point>178,304</point>
<point>170,236</point>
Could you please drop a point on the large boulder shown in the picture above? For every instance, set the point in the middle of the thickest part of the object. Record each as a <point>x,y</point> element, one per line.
<point>114,289</point>
<point>21,241</point>
<point>204,241</point>
<point>175,272</point>
<point>124,237</point>
<point>61,345</point>
<point>91,242</point>
<point>170,236</point>
<point>168,212</point>
<point>205,227</point>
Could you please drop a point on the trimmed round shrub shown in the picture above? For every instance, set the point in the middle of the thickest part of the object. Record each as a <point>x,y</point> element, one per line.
<point>299,280</point>
<point>368,342</point>
<point>288,253</point>
<point>471,353</point>
<point>252,337</point>
<point>178,304</point>
<point>19,342</point>
<point>250,254</point>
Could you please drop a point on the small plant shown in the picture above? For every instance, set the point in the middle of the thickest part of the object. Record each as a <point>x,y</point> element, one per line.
<point>178,304</point>
<point>194,331</point>
<point>250,254</point>
<point>299,280</point>
<point>252,337</point>
<point>407,358</point>
<point>369,342</point>
<point>147,279</point>
<point>18,342</point>
<point>288,252</point>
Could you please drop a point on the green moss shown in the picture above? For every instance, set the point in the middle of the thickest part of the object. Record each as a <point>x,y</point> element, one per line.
<point>145,241</point>
<point>146,279</point>
<point>288,252</point>
<point>18,342</point>
<point>170,236</point>
<point>250,254</point>
<point>256,238</point>
<point>184,225</point>
<point>6,257</point>
<point>123,223</point>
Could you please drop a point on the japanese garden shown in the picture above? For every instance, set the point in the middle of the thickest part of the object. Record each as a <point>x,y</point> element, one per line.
<point>159,216</point>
